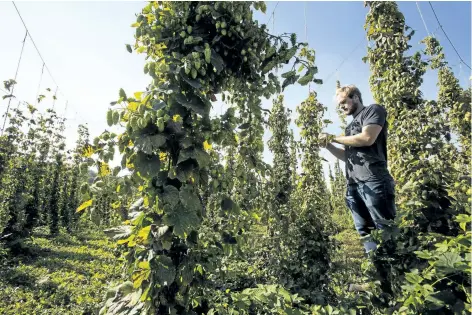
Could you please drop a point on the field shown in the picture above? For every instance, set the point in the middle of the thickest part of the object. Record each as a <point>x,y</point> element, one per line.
<point>171,210</point>
<point>64,274</point>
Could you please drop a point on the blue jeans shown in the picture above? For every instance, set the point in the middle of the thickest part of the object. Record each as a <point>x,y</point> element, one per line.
<point>370,202</point>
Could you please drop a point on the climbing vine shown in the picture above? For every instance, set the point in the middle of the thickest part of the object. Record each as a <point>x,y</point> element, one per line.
<point>196,50</point>
<point>281,173</point>
<point>420,163</point>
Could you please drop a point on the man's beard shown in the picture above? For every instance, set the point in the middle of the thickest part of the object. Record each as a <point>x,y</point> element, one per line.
<point>352,110</point>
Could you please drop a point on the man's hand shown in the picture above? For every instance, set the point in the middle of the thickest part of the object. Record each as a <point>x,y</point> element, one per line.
<point>324,139</point>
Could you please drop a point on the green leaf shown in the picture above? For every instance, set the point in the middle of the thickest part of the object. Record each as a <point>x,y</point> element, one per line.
<point>413,277</point>
<point>293,39</point>
<point>186,272</point>
<point>307,77</point>
<point>157,104</point>
<point>203,158</point>
<point>145,294</point>
<point>170,195</point>
<point>289,74</point>
<point>147,165</point>
<point>183,220</point>
<point>186,154</point>
<point>184,170</point>
<point>423,254</point>
<point>128,48</point>
<point>167,88</point>
<point>268,66</point>
<point>442,298</point>
<point>123,94</point>
<point>286,295</point>
<point>186,142</point>
<point>289,54</point>
<point>192,82</point>
<point>7,96</point>
<point>463,219</point>
<point>263,7</point>
<point>215,14</point>
<point>449,260</point>
<point>290,81</point>
<point>189,199</point>
<point>228,205</point>
<point>165,270</point>
<point>149,144</point>
<point>442,247</point>
<point>217,61</point>
<point>195,103</point>
<point>244,126</point>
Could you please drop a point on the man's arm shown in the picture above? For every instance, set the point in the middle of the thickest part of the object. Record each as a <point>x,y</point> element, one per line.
<point>366,138</point>
<point>339,153</point>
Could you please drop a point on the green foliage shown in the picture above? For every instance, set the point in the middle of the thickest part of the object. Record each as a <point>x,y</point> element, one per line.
<point>421,160</point>
<point>195,50</point>
<point>281,172</point>
<point>306,257</point>
<point>312,182</point>
<point>203,225</point>
<point>67,274</point>
<point>32,186</point>
<point>54,201</point>
<point>341,214</point>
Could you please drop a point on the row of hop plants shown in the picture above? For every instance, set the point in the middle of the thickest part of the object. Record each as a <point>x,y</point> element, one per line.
<point>212,229</point>
<point>40,180</point>
<point>209,228</point>
<point>423,262</point>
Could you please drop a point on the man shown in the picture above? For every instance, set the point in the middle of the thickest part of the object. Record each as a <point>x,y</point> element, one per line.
<point>370,193</point>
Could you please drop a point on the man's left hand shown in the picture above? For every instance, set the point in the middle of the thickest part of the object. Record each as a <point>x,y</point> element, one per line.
<point>324,139</point>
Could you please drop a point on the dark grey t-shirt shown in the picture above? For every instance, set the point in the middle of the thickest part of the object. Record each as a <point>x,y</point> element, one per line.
<point>367,163</point>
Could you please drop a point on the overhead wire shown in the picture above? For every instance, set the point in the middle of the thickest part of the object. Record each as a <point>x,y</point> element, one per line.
<point>272,17</point>
<point>28,34</point>
<point>13,87</point>
<point>444,32</point>
<point>421,15</point>
<point>34,44</point>
<point>272,14</point>
<point>434,35</point>
<point>39,85</point>
<point>344,60</point>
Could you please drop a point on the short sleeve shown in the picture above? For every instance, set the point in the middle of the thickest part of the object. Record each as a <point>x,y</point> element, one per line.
<point>375,115</point>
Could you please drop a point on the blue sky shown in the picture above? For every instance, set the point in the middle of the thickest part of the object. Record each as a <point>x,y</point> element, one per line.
<point>83,44</point>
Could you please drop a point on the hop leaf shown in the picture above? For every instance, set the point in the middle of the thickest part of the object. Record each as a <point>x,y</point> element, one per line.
<point>183,220</point>
<point>123,94</point>
<point>293,39</point>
